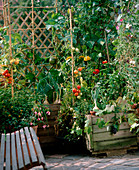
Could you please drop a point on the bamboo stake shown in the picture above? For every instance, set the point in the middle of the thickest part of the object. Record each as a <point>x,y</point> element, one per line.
<point>4,13</point>
<point>72,51</point>
<point>10,43</point>
<point>56,7</point>
<point>33,42</point>
<point>107,46</point>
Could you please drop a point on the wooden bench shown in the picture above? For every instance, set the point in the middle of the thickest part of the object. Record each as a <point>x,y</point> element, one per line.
<point>21,150</point>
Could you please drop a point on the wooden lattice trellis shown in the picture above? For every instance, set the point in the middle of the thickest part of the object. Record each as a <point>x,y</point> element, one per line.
<point>29,22</point>
<point>1,14</point>
<point>1,19</point>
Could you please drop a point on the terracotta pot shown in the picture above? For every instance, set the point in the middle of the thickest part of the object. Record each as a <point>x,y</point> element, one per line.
<point>92,113</point>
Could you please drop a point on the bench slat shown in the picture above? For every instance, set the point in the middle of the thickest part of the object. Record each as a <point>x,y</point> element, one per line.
<point>30,144</point>
<point>2,151</point>
<point>25,150</point>
<point>14,161</point>
<point>21,147</point>
<point>8,164</point>
<point>19,151</point>
<point>37,146</point>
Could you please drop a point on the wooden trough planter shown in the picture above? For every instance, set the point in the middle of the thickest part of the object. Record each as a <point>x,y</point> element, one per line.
<point>101,141</point>
<point>47,136</point>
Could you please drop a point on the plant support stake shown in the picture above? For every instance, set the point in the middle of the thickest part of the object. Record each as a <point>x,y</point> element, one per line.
<point>72,51</point>
<point>107,46</point>
<point>10,43</point>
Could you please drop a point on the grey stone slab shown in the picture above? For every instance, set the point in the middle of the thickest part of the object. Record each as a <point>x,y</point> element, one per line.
<point>52,160</point>
<point>62,167</point>
<point>93,166</point>
<point>73,157</point>
<point>57,168</point>
<point>102,160</point>
<point>56,156</point>
<point>131,163</point>
<point>118,161</point>
<point>50,165</point>
<point>75,168</point>
<point>37,168</point>
<point>120,167</point>
<point>68,162</point>
<point>99,166</point>
<point>84,162</point>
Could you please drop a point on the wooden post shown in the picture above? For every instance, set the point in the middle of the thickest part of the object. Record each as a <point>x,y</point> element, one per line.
<point>72,51</point>
<point>107,46</point>
<point>10,43</point>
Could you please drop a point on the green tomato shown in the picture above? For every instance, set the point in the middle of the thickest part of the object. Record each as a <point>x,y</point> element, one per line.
<point>53,60</point>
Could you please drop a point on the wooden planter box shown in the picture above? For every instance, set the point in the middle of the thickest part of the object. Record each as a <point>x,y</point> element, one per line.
<point>47,136</point>
<point>102,141</point>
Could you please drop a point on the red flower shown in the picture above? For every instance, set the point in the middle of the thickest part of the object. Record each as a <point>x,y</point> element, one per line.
<point>5,72</point>
<point>96,71</point>
<point>104,62</point>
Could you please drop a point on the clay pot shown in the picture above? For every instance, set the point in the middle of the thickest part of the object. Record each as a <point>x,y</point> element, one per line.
<point>92,113</point>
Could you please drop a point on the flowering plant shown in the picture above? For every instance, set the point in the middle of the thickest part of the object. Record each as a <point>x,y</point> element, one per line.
<point>39,116</point>
<point>20,111</point>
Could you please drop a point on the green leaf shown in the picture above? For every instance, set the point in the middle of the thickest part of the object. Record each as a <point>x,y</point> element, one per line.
<point>90,44</point>
<point>17,36</point>
<point>31,77</point>
<point>101,41</point>
<point>6,37</point>
<point>100,55</point>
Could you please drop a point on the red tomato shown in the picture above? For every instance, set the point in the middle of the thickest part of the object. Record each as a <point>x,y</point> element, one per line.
<point>75,71</point>
<point>10,78</point>
<point>96,71</point>
<point>104,62</point>
<point>16,62</point>
<point>78,91</point>
<point>74,90</point>
<point>76,94</point>
<point>5,72</point>
<point>80,69</point>
<point>78,87</point>
<point>7,75</point>
<point>9,82</point>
